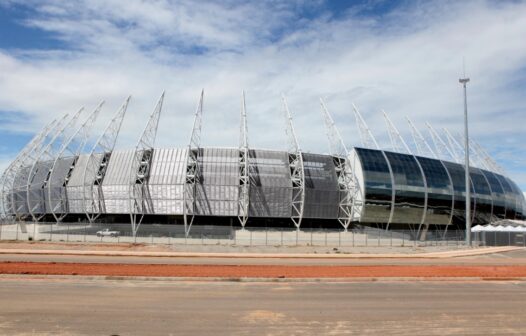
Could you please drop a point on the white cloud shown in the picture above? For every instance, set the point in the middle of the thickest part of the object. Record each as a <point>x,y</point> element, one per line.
<point>406,62</point>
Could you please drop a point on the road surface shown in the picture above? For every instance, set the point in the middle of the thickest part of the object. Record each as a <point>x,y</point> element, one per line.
<point>504,258</point>
<point>129,307</point>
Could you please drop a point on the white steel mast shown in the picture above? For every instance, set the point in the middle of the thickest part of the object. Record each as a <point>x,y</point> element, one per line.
<point>297,168</point>
<point>192,178</point>
<point>422,146</point>
<point>367,137</point>
<point>475,159</point>
<point>8,177</point>
<point>441,148</point>
<point>244,167</point>
<point>24,166</point>
<point>48,154</point>
<point>350,200</point>
<point>97,163</point>
<point>74,147</point>
<point>455,147</point>
<point>140,202</point>
<point>397,142</point>
<point>492,165</point>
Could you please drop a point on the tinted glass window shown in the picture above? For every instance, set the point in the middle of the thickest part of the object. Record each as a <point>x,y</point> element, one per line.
<point>511,204</point>
<point>378,186</point>
<point>498,196</point>
<point>483,199</point>
<point>519,199</point>
<point>439,191</point>
<point>409,188</point>
<point>457,174</point>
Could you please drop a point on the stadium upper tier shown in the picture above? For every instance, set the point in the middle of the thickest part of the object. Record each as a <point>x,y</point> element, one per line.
<point>394,187</point>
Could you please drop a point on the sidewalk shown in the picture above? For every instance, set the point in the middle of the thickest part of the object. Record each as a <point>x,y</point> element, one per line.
<point>424,255</point>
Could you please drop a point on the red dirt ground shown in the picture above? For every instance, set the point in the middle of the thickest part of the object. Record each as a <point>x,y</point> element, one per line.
<point>260,271</point>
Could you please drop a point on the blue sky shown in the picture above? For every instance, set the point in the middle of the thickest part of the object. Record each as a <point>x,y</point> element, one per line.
<point>404,57</point>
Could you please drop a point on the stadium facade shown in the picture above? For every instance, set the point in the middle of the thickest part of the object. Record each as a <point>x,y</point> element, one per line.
<point>55,178</point>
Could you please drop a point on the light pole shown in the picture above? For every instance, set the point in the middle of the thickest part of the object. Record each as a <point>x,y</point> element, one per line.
<point>464,81</point>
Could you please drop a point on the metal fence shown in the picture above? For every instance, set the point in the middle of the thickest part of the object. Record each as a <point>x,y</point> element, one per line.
<point>500,238</point>
<point>251,236</point>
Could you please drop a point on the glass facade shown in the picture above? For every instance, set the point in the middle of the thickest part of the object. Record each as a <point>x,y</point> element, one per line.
<point>439,191</point>
<point>482,197</point>
<point>519,200</point>
<point>434,187</point>
<point>498,196</point>
<point>457,174</point>
<point>377,184</point>
<point>509,197</point>
<point>410,191</point>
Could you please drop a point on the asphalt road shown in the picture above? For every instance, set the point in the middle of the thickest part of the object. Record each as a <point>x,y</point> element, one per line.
<point>33,306</point>
<point>505,258</point>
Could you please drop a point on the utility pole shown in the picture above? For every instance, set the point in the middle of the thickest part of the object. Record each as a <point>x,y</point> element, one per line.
<point>464,82</point>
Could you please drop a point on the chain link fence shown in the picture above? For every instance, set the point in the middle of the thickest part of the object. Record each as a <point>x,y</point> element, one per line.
<point>251,236</point>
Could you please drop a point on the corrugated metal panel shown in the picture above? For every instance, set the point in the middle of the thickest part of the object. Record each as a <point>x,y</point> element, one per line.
<point>167,176</point>
<point>77,176</point>
<point>270,184</point>
<point>75,187</point>
<point>116,184</point>
<point>19,191</point>
<point>168,166</point>
<point>57,198</point>
<point>119,168</point>
<point>322,193</point>
<point>218,193</point>
<point>37,197</point>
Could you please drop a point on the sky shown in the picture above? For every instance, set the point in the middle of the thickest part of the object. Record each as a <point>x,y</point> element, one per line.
<point>404,57</point>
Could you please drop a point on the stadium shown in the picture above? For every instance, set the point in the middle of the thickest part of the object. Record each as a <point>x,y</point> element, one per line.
<point>55,178</point>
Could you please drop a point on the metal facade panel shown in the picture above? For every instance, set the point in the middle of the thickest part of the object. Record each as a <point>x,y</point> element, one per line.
<point>77,176</point>
<point>167,199</point>
<point>119,168</point>
<point>57,198</point>
<point>270,184</point>
<point>322,193</point>
<point>168,166</point>
<point>166,181</point>
<point>217,195</point>
<point>20,191</point>
<point>75,187</point>
<point>116,184</point>
<point>37,196</point>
